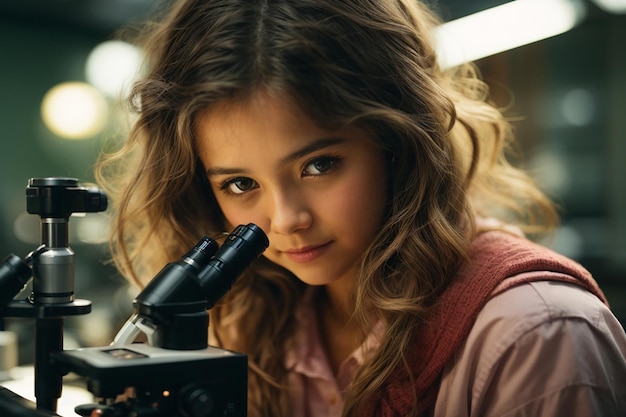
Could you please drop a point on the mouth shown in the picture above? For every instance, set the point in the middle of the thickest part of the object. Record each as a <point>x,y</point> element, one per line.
<point>307,253</point>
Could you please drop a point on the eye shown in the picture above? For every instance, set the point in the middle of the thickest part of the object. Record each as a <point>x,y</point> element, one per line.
<point>238,185</point>
<point>319,166</point>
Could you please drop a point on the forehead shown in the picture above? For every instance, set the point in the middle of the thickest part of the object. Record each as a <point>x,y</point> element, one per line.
<point>259,111</point>
<point>265,123</point>
<point>256,107</point>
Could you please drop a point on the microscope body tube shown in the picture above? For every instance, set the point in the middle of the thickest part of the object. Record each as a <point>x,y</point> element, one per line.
<point>174,304</point>
<point>171,302</point>
<point>177,321</point>
<point>53,283</point>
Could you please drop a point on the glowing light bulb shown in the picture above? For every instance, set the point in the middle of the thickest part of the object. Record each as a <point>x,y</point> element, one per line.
<point>74,110</point>
<point>112,66</point>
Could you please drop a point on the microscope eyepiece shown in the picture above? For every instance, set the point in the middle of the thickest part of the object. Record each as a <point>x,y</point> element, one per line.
<point>242,246</point>
<point>200,254</point>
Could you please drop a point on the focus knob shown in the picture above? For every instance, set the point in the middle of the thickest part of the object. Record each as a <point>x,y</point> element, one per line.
<point>196,401</point>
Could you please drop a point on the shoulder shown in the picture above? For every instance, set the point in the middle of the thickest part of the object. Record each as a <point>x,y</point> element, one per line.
<point>537,302</point>
<point>538,338</point>
<point>549,314</point>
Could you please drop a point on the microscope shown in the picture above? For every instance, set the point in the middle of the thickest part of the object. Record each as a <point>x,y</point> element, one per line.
<point>174,374</point>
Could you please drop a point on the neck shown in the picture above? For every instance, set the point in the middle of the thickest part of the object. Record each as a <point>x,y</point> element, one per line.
<point>336,299</point>
<point>340,334</point>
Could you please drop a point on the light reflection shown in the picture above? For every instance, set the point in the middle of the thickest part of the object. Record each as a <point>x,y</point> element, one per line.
<point>550,172</point>
<point>92,228</point>
<point>578,107</point>
<point>112,66</point>
<point>26,228</point>
<point>74,110</point>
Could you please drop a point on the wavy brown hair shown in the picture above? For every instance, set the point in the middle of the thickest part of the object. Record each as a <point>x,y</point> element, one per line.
<point>370,63</point>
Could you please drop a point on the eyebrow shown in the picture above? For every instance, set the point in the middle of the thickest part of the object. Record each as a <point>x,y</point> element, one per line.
<point>306,150</point>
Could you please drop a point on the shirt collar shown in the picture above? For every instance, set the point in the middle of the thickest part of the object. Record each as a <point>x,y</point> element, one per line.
<point>307,355</point>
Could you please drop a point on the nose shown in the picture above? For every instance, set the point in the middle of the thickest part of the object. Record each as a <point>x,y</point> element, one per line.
<point>290,213</point>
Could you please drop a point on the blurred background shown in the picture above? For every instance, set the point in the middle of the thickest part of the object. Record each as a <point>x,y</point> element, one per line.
<point>63,69</point>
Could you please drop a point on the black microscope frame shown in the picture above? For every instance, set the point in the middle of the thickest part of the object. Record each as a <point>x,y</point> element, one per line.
<point>176,374</point>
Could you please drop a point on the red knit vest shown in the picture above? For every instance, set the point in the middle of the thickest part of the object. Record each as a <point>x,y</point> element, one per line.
<point>494,256</point>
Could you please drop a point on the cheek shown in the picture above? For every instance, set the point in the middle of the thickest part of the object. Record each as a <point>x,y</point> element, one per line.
<point>360,204</point>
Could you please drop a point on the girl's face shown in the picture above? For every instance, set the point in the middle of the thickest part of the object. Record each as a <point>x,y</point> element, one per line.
<point>319,195</point>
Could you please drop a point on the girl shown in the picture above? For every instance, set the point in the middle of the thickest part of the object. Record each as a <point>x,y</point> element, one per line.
<point>398,281</point>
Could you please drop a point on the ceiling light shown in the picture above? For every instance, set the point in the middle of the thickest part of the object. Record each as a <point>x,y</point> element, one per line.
<point>505,27</point>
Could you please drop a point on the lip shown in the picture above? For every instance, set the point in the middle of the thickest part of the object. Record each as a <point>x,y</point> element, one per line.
<point>307,253</point>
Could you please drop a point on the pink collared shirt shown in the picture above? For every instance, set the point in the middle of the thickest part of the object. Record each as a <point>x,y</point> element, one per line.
<point>316,391</point>
<point>542,349</point>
